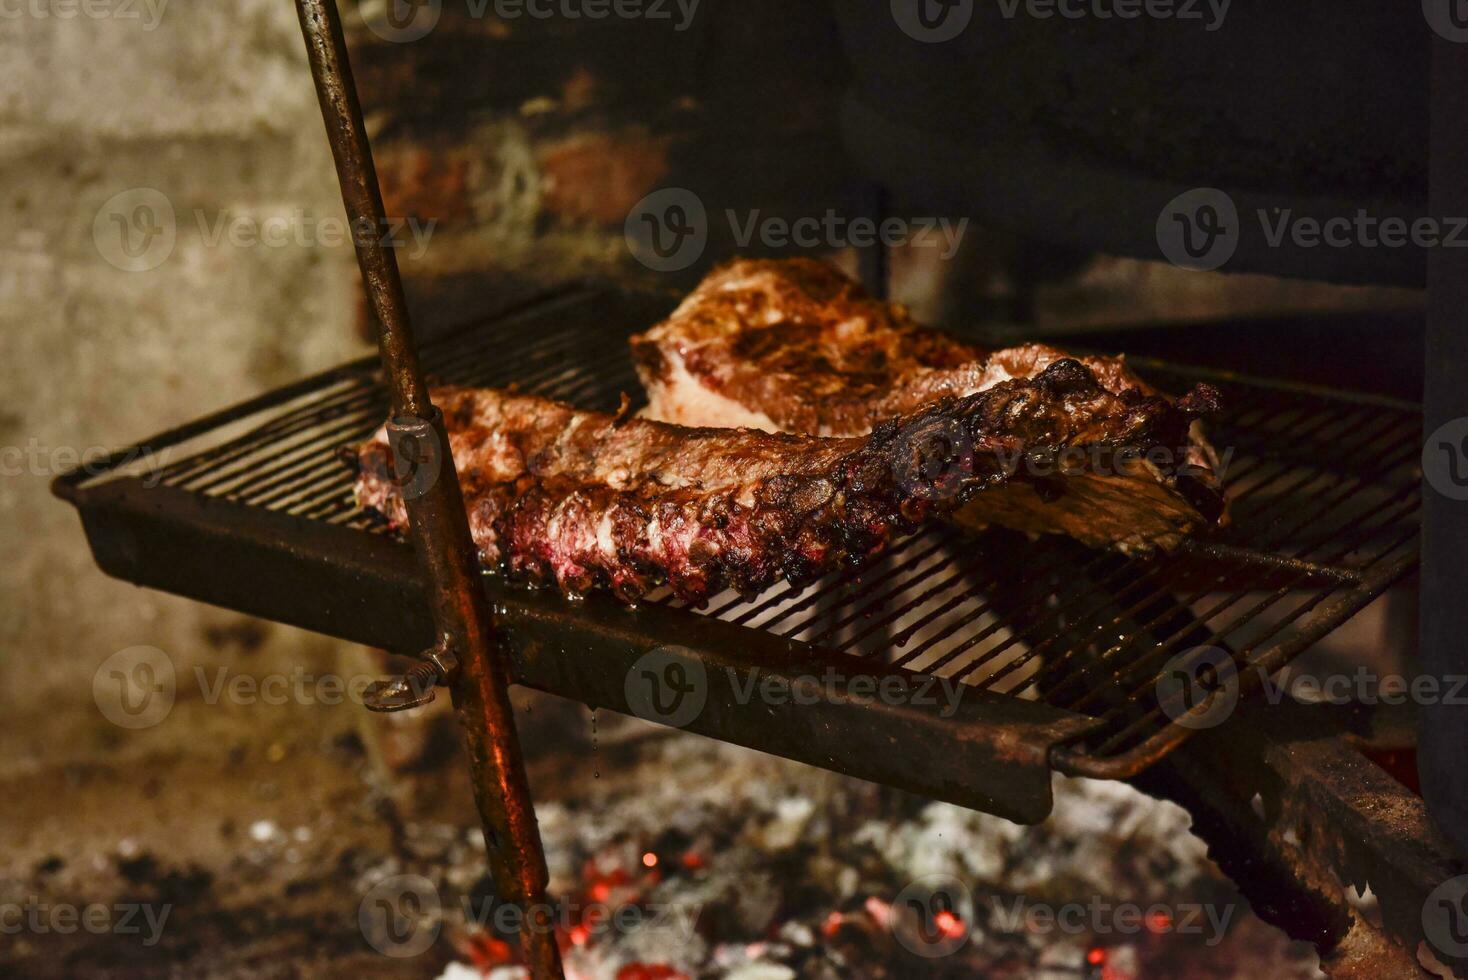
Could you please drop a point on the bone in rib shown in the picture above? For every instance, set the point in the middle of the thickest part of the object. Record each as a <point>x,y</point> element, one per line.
<point>587,499</point>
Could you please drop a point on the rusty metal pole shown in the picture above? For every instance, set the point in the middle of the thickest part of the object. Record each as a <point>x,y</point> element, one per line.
<point>466,652</point>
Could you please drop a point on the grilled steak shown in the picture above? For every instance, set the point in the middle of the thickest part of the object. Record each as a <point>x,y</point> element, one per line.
<point>587,499</point>
<point>795,346</point>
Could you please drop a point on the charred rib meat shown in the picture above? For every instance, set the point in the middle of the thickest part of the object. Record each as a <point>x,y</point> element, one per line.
<point>587,499</point>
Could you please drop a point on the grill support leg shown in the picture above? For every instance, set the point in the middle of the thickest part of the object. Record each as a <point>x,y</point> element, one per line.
<point>439,525</point>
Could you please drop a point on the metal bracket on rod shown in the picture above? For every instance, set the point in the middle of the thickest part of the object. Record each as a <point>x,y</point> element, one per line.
<point>436,516</point>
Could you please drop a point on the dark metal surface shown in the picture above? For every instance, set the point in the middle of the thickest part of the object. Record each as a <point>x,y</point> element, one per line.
<point>989,753</point>
<point>1444,613</point>
<point>1296,815</point>
<point>1324,517</point>
<point>436,516</point>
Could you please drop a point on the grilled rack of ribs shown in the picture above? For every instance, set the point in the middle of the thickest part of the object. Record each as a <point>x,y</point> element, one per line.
<point>587,499</point>
<point>794,346</point>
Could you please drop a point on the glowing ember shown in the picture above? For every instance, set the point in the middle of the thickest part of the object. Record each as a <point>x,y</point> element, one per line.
<point>484,951</point>
<point>649,971</point>
<point>1096,956</point>
<point>649,860</point>
<point>1159,922</point>
<point>949,924</point>
<point>580,935</point>
<point>880,911</point>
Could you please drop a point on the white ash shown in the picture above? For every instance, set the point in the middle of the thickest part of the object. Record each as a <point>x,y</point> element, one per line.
<point>790,872</point>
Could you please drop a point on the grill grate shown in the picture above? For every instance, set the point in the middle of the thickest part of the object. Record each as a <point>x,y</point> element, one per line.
<point>1325,495</point>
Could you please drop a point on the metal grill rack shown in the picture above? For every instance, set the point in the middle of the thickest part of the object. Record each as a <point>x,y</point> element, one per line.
<point>1076,643</point>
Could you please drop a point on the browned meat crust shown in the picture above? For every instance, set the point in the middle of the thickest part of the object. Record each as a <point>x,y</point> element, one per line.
<point>794,346</point>
<point>804,349</point>
<point>586,499</point>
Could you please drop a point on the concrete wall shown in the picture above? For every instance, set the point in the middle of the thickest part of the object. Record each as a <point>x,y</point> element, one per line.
<point>210,105</point>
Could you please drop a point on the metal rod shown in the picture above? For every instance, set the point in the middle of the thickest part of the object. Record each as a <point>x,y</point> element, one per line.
<point>439,525</point>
